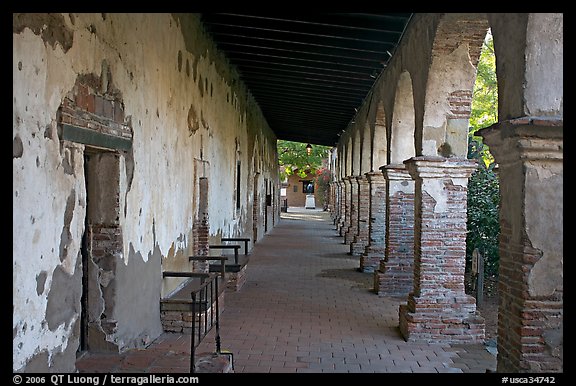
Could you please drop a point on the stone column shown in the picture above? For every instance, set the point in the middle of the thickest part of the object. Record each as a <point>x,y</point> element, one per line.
<point>374,251</point>
<point>438,309</point>
<point>333,207</point>
<point>530,317</point>
<point>353,219</point>
<point>344,207</point>
<point>361,238</point>
<point>332,200</point>
<point>396,272</point>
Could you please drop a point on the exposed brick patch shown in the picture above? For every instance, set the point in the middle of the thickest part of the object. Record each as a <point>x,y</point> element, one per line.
<point>201,228</point>
<point>530,329</point>
<point>85,106</point>
<point>460,102</point>
<point>200,240</point>
<point>452,33</point>
<point>255,215</point>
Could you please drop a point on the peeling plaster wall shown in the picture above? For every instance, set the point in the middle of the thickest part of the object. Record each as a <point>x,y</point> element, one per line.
<point>451,72</point>
<point>544,89</point>
<point>184,103</point>
<point>530,49</point>
<point>546,233</point>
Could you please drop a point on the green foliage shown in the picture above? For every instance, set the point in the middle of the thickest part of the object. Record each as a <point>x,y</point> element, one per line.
<point>322,188</point>
<point>484,102</point>
<point>293,158</point>
<point>483,218</point>
<point>483,187</point>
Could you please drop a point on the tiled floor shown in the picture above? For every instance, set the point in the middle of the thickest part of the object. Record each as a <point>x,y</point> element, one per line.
<point>304,308</point>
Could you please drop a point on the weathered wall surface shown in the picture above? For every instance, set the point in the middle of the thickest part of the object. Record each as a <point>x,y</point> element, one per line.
<point>188,116</point>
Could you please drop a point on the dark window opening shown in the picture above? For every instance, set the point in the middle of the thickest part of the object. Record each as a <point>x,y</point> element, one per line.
<point>308,187</point>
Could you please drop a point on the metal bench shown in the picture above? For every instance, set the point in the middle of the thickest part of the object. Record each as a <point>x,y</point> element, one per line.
<point>222,259</point>
<point>227,246</point>
<point>243,239</point>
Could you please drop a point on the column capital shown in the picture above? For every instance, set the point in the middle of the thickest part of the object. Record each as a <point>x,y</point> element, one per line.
<point>396,172</point>
<point>374,177</point>
<point>440,167</point>
<point>526,139</point>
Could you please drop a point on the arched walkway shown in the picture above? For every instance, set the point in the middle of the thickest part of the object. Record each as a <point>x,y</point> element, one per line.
<point>305,307</point>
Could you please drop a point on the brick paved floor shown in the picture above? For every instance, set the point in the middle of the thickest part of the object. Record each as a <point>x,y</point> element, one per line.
<point>305,308</point>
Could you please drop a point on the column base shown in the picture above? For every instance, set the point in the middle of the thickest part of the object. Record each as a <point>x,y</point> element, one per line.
<point>369,262</point>
<point>340,228</point>
<point>357,247</point>
<point>441,323</point>
<point>348,236</point>
<point>395,277</point>
<point>395,284</point>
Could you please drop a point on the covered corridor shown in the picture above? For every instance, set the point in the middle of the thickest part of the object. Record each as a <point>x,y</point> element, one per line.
<point>323,318</point>
<point>142,140</point>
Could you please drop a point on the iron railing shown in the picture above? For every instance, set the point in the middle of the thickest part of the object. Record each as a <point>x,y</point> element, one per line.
<point>205,316</point>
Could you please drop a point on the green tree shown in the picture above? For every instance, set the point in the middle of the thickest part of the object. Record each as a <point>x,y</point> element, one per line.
<point>293,158</point>
<point>484,101</point>
<point>483,187</point>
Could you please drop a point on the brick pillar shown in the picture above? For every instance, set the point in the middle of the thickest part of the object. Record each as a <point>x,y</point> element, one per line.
<point>339,204</point>
<point>530,324</point>
<point>360,241</point>
<point>395,276</point>
<point>344,207</point>
<point>374,251</point>
<point>201,227</point>
<point>255,210</point>
<point>352,229</point>
<point>438,309</point>
<point>335,203</point>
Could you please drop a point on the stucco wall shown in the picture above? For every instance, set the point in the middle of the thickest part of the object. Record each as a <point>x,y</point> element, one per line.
<point>191,117</point>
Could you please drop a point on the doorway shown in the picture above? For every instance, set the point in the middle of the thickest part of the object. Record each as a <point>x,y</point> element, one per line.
<point>101,243</point>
